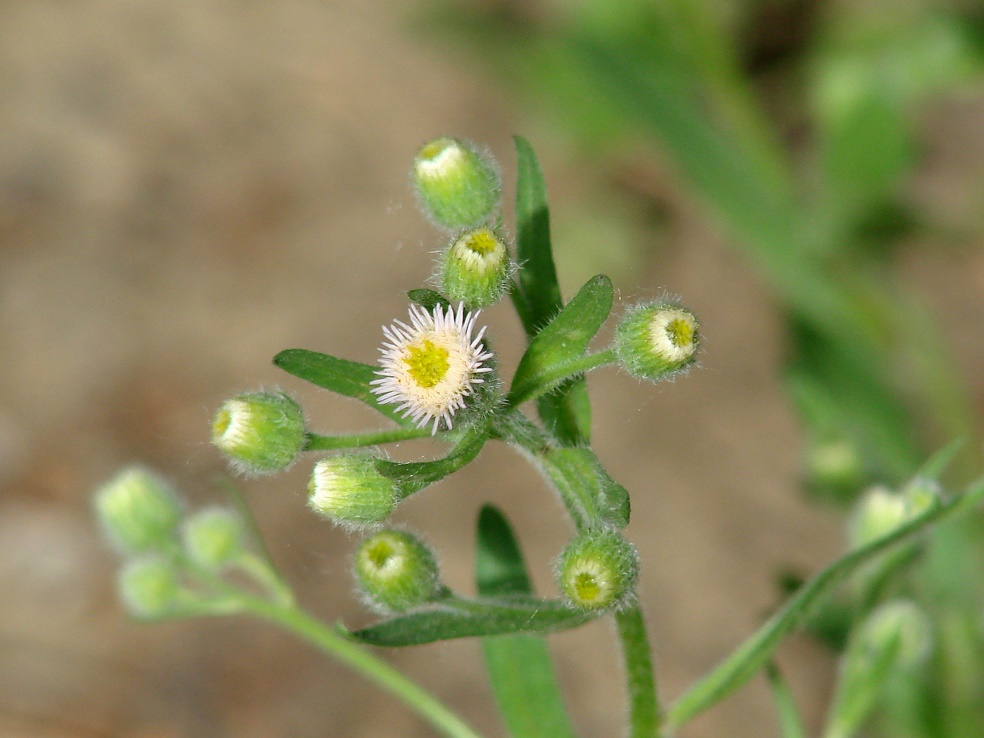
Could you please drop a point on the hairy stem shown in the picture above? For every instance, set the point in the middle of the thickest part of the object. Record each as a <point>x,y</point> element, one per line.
<point>644,713</point>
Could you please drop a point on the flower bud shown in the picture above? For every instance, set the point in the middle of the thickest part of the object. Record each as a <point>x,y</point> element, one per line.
<point>878,513</point>
<point>655,341</point>
<point>138,510</point>
<point>214,538</point>
<point>457,185</point>
<point>260,432</point>
<point>902,621</point>
<point>348,490</point>
<point>475,268</point>
<point>598,570</point>
<point>149,587</point>
<point>396,571</point>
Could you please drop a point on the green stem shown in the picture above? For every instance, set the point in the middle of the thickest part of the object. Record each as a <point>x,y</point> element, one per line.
<point>644,714</point>
<point>360,660</point>
<point>317,442</point>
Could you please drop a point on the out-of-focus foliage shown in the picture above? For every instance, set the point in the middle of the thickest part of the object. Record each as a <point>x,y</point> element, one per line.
<point>796,124</point>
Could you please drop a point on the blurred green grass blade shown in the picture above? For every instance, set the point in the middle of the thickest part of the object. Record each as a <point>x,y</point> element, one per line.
<point>519,666</point>
<point>482,618</point>
<point>562,341</point>
<point>348,378</point>
<point>790,721</point>
<point>755,652</point>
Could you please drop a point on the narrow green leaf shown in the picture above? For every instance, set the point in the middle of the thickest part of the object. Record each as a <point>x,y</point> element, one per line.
<point>428,299</point>
<point>556,353</point>
<point>499,566</point>
<point>566,412</point>
<point>415,475</point>
<point>348,378</point>
<point>474,618</point>
<point>519,666</point>
<point>753,654</point>
<point>537,275</point>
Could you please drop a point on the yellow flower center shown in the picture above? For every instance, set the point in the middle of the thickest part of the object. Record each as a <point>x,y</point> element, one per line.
<point>482,243</point>
<point>680,332</point>
<point>380,553</point>
<point>587,588</point>
<point>427,363</point>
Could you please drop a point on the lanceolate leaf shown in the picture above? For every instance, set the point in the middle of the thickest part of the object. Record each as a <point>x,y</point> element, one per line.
<point>566,412</point>
<point>552,356</point>
<point>428,299</point>
<point>519,666</point>
<point>590,495</point>
<point>415,475</point>
<point>348,378</point>
<point>473,619</point>
<point>755,652</point>
<point>537,275</point>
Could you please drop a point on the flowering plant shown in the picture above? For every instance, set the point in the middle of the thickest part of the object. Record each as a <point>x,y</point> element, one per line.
<point>439,376</point>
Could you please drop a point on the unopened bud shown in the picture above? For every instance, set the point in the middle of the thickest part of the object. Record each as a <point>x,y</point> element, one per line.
<point>902,621</point>
<point>457,185</point>
<point>149,587</point>
<point>214,538</point>
<point>656,341</point>
<point>475,268</point>
<point>138,510</point>
<point>598,570</point>
<point>348,490</point>
<point>260,432</point>
<point>396,571</point>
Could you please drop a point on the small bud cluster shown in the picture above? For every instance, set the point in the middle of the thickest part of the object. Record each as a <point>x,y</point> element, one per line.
<point>164,551</point>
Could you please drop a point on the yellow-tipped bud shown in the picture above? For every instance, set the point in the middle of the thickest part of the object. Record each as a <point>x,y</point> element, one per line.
<point>396,571</point>
<point>598,570</point>
<point>348,490</point>
<point>457,185</point>
<point>138,510</point>
<point>475,268</point>
<point>260,432</point>
<point>656,341</point>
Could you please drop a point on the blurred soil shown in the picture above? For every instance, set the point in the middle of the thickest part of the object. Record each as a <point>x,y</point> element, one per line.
<point>187,188</point>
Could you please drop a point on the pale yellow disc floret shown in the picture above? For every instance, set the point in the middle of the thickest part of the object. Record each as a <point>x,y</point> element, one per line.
<point>430,367</point>
<point>673,333</point>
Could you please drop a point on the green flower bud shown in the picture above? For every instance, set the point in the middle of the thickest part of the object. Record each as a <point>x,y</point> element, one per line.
<point>475,268</point>
<point>214,538</point>
<point>348,490</point>
<point>395,571</point>
<point>656,341</point>
<point>260,432</point>
<point>457,185</point>
<point>598,570</point>
<point>902,621</point>
<point>138,510</point>
<point>149,587</point>
<point>878,513</point>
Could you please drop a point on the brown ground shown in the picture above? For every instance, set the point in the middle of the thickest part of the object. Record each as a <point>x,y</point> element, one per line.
<point>187,188</point>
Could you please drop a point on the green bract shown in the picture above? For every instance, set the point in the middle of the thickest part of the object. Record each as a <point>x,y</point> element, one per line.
<point>656,341</point>
<point>395,571</point>
<point>138,510</point>
<point>457,185</point>
<point>260,432</point>
<point>348,490</point>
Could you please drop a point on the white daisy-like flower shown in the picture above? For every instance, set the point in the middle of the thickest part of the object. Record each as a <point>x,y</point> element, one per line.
<point>430,367</point>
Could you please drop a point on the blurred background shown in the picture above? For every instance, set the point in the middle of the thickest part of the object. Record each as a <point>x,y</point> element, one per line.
<point>187,188</point>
